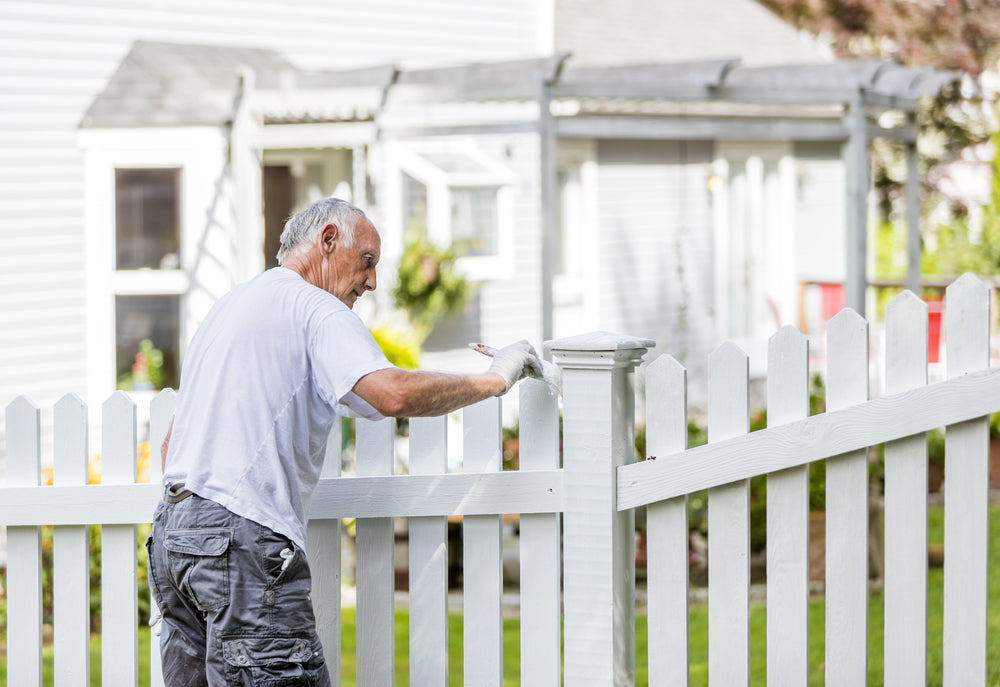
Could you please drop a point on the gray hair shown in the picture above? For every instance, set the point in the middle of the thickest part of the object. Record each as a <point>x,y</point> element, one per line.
<point>304,226</point>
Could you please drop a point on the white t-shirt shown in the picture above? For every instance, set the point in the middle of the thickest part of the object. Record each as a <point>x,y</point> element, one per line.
<point>259,392</point>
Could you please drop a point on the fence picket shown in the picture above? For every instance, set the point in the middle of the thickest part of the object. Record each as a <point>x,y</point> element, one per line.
<point>788,518</point>
<point>966,496</point>
<point>482,555</point>
<point>728,526</point>
<point>323,552</point>
<point>24,550</point>
<point>905,634</point>
<point>375,568</point>
<point>428,571</point>
<point>119,582</point>
<point>847,511</point>
<point>161,415</point>
<point>539,543</point>
<point>667,530</point>
<point>70,550</point>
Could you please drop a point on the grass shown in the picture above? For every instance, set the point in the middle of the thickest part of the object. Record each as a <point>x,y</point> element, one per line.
<point>698,633</point>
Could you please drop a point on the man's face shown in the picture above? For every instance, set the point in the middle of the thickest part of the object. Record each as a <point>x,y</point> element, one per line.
<point>350,271</point>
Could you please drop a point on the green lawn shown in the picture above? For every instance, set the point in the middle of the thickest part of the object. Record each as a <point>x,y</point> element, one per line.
<point>698,633</point>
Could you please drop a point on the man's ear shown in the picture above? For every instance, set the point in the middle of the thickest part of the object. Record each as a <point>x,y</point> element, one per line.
<point>328,237</point>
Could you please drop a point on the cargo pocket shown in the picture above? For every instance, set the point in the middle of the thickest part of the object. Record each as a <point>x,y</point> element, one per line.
<point>198,563</point>
<point>272,661</point>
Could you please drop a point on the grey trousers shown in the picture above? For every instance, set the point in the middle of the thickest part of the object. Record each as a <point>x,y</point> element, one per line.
<point>234,599</point>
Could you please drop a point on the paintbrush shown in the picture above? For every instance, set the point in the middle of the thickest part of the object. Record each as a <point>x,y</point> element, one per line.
<point>551,374</point>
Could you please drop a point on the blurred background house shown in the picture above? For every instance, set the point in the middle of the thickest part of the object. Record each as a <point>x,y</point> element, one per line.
<point>665,169</point>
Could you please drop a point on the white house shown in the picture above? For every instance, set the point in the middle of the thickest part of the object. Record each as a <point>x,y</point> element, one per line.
<point>666,169</point>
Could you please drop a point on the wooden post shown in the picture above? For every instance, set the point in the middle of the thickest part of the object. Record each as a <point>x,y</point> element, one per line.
<point>599,541</point>
<point>855,157</point>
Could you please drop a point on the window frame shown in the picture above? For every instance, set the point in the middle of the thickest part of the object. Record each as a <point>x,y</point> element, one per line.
<point>198,154</point>
<point>412,160</point>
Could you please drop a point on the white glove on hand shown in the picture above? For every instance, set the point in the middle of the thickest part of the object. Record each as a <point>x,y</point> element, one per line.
<point>516,361</point>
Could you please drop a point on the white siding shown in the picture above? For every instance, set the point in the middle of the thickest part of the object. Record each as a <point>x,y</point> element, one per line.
<point>55,56</point>
<point>655,244</point>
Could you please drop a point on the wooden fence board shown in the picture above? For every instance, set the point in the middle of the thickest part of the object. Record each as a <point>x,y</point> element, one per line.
<point>539,543</point>
<point>667,559</point>
<point>70,550</point>
<point>788,518</point>
<point>323,551</point>
<point>24,550</point>
<point>375,568</point>
<point>119,582</point>
<point>161,416</point>
<point>728,526</point>
<point>905,633</point>
<point>966,496</point>
<point>847,511</point>
<point>428,565</point>
<point>482,555</point>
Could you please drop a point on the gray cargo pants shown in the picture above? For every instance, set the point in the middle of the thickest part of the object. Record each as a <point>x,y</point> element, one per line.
<point>234,599</point>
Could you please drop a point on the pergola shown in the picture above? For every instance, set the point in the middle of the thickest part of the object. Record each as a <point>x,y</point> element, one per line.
<point>707,100</point>
<point>277,105</point>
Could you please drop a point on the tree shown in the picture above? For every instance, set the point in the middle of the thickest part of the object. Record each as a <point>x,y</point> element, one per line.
<point>945,34</point>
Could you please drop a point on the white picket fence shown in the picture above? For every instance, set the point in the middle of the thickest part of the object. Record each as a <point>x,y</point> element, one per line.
<point>577,590</point>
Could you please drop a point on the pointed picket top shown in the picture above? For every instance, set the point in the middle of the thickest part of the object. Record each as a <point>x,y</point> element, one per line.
<point>847,359</point>
<point>905,343</point>
<point>118,440</point>
<point>967,325</point>
<point>728,392</point>
<point>161,415</point>
<point>666,406</point>
<point>70,439</point>
<point>787,376</point>
<point>23,443</point>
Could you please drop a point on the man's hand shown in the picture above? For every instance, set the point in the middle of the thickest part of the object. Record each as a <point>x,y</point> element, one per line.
<point>514,362</point>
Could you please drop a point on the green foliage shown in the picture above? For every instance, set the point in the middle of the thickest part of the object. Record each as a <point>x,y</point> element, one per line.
<point>429,289</point>
<point>146,371</point>
<point>401,347</point>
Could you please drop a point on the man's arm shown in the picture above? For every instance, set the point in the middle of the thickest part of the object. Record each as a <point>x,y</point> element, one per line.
<point>164,446</point>
<point>412,393</point>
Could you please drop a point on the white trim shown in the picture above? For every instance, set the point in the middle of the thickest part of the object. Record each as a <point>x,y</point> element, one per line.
<point>199,152</point>
<point>409,158</point>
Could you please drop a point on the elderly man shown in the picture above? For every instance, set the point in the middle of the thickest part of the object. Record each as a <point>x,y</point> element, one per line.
<point>274,364</point>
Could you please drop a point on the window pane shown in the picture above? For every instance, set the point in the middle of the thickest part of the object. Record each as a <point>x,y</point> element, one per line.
<point>147,342</point>
<point>147,218</point>
<point>414,208</point>
<point>474,220</point>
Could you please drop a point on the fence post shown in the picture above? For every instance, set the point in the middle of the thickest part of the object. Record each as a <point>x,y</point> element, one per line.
<point>599,542</point>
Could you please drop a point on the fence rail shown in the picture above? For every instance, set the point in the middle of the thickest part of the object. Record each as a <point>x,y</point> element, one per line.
<point>576,493</point>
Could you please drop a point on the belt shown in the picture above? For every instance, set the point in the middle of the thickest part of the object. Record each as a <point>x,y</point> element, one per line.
<point>176,492</point>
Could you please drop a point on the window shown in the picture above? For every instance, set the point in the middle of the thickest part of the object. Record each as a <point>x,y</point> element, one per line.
<point>147,283</point>
<point>147,218</point>
<point>460,198</point>
<point>143,323</point>
<point>474,221</point>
